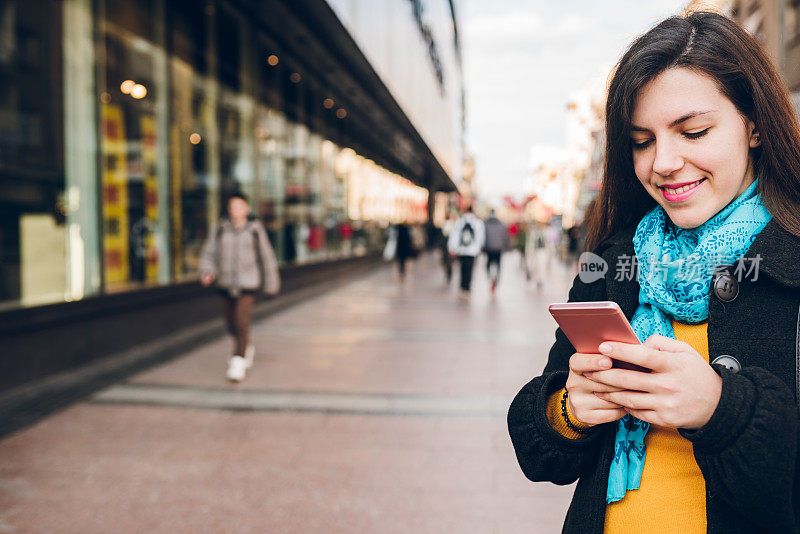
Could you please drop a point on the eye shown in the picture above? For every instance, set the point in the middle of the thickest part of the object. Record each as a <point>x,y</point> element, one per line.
<point>640,145</point>
<point>695,135</point>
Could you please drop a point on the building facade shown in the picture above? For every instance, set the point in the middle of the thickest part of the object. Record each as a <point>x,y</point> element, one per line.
<point>124,124</point>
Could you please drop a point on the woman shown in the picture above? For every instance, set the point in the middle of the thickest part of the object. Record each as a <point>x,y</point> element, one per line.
<point>238,258</point>
<point>700,188</point>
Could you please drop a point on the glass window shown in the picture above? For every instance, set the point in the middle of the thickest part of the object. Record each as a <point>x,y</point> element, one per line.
<point>33,257</point>
<point>271,138</point>
<point>315,219</point>
<point>130,145</point>
<point>297,193</point>
<point>194,204</point>
<point>236,106</point>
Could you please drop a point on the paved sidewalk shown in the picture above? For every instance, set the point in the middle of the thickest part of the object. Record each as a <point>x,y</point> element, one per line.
<point>377,407</point>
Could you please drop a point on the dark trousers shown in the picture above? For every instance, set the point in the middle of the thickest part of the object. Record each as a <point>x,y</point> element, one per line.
<point>467,263</point>
<point>237,311</point>
<point>447,263</point>
<point>493,257</point>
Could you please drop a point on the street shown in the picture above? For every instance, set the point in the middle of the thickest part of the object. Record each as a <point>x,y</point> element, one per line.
<point>376,407</point>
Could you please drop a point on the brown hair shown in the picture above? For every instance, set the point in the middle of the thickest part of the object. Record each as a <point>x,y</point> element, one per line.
<point>717,47</point>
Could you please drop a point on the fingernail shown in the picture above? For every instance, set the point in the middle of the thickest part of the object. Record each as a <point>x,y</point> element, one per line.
<point>605,348</point>
<point>605,363</point>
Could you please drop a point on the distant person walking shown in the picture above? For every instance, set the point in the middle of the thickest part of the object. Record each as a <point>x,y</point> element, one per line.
<point>466,242</point>
<point>497,242</point>
<point>447,259</point>
<point>405,248</point>
<point>238,259</point>
<point>538,251</point>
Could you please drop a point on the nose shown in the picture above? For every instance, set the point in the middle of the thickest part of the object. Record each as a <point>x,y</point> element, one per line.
<point>668,159</point>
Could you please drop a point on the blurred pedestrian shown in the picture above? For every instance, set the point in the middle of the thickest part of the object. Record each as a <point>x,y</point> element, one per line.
<point>404,249</point>
<point>701,197</point>
<point>538,251</point>
<point>574,244</point>
<point>497,241</point>
<point>447,259</point>
<point>518,231</point>
<point>466,242</point>
<point>238,259</point>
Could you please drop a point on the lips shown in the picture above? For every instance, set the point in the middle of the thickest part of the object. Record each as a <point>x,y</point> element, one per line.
<point>680,191</point>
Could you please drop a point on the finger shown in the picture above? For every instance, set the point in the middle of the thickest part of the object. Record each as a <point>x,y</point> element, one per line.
<point>604,404</point>
<point>582,404</point>
<point>638,354</point>
<point>624,379</point>
<point>586,385</point>
<point>665,343</point>
<point>598,417</point>
<point>649,416</point>
<point>632,400</point>
<point>581,363</point>
<point>601,388</point>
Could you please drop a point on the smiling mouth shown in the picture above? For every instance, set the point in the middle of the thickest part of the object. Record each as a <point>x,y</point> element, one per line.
<point>680,192</point>
<point>676,189</point>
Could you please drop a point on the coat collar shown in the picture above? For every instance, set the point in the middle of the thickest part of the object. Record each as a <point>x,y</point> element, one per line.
<point>778,250</point>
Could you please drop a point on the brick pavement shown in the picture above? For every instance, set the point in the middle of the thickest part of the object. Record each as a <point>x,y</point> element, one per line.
<point>377,407</point>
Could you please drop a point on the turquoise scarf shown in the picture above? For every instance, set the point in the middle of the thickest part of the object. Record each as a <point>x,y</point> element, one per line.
<point>675,271</point>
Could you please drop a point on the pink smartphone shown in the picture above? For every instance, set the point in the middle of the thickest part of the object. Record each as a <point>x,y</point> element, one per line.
<point>587,324</point>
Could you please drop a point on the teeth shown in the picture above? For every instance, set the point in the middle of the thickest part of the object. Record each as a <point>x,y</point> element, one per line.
<point>684,188</point>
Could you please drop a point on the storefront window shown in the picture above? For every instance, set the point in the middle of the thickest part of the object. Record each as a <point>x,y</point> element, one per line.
<point>316,240</point>
<point>133,231</point>
<point>271,146</point>
<point>193,199</point>
<point>236,106</point>
<point>33,254</point>
<point>123,125</point>
<point>297,193</point>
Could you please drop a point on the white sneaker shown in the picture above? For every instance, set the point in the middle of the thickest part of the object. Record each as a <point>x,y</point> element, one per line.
<point>249,355</point>
<point>237,367</point>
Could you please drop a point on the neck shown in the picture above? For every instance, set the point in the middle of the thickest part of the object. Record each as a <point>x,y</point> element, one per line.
<point>238,223</point>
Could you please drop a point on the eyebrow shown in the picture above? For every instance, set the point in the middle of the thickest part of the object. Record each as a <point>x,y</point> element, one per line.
<point>677,121</point>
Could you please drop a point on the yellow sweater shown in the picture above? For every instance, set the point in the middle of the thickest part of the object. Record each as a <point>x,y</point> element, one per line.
<point>672,493</point>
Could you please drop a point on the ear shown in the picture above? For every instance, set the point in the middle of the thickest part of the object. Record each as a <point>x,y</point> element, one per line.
<point>755,137</point>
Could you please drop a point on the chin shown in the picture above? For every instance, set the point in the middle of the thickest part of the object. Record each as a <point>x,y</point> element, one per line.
<point>687,221</point>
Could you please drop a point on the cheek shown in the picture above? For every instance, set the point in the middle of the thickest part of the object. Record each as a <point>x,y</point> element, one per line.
<point>642,167</point>
<point>720,162</point>
<point>725,156</point>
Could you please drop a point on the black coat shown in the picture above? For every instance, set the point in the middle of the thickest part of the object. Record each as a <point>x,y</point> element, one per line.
<point>405,248</point>
<point>747,452</point>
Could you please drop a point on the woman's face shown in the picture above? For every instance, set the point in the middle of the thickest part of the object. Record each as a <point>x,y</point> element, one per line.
<point>691,146</point>
<point>238,209</point>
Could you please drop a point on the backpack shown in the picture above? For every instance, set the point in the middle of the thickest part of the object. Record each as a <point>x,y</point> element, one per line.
<point>467,235</point>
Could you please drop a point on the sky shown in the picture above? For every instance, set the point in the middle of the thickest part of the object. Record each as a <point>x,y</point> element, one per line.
<point>522,60</point>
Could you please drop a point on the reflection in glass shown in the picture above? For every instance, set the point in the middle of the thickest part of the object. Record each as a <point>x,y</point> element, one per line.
<point>129,152</point>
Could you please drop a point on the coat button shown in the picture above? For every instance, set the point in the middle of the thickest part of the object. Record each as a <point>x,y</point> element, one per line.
<point>726,288</point>
<point>729,362</point>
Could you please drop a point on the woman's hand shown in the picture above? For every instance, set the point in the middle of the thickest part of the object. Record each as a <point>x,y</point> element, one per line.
<point>682,391</point>
<point>207,279</point>
<point>587,407</point>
